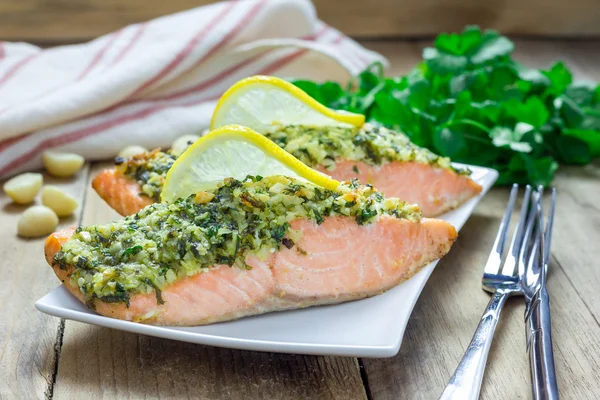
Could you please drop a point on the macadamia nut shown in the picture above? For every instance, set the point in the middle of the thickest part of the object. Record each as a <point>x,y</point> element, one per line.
<point>62,165</point>
<point>37,221</point>
<point>23,188</point>
<point>57,200</point>
<point>131,151</point>
<point>182,143</point>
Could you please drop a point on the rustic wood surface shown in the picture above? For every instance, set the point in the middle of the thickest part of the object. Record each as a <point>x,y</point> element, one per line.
<point>41,356</point>
<point>28,338</point>
<point>44,21</point>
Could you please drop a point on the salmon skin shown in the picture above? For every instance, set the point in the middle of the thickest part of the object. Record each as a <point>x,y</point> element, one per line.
<point>247,247</point>
<point>339,261</point>
<point>373,155</point>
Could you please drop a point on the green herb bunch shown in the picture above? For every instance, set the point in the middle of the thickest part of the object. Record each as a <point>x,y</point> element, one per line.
<point>469,100</point>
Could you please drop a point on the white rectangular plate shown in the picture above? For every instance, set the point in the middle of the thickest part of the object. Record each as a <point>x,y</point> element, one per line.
<point>371,327</point>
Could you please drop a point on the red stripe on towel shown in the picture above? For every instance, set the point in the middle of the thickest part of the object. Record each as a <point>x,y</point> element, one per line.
<point>231,34</point>
<point>186,50</point>
<point>226,73</point>
<point>4,144</point>
<point>16,68</point>
<point>99,55</point>
<point>208,83</point>
<point>131,44</point>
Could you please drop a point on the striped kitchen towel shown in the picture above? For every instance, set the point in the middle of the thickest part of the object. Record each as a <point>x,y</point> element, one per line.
<point>149,83</point>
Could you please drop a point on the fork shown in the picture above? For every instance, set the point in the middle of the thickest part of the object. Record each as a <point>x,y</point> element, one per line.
<point>500,279</point>
<point>533,268</point>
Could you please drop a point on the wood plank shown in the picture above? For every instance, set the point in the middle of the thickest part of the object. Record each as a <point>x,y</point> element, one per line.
<point>577,233</point>
<point>417,18</point>
<point>450,307</point>
<point>72,20</point>
<point>28,337</point>
<point>113,364</point>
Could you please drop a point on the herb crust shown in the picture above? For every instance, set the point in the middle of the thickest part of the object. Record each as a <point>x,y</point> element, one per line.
<point>164,242</point>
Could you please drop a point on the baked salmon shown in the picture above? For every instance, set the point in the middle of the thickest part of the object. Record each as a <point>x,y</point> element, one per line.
<point>123,194</point>
<point>247,248</point>
<point>373,155</point>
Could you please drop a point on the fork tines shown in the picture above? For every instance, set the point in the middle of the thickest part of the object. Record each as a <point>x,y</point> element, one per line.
<point>529,246</point>
<point>496,273</point>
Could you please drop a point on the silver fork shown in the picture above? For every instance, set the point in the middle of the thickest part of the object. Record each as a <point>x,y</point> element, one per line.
<point>502,281</point>
<point>533,268</point>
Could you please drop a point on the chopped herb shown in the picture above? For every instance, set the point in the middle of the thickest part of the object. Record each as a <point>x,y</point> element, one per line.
<point>120,296</point>
<point>60,260</point>
<point>278,232</point>
<point>194,249</point>
<point>181,248</point>
<point>251,201</point>
<point>132,251</point>
<point>317,216</point>
<point>365,216</point>
<point>148,169</point>
<point>355,169</point>
<point>374,145</point>
<point>287,243</point>
<point>157,290</point>
<point>82,262</point>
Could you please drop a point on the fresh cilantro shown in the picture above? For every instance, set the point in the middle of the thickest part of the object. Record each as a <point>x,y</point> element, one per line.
<point>471,101</point>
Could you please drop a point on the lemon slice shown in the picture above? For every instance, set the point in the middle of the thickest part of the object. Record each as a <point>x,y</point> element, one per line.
<point>259,102</point>
<point>233,151</point>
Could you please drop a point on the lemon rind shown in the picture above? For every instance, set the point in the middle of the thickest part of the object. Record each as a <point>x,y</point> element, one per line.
<point>353,119</point>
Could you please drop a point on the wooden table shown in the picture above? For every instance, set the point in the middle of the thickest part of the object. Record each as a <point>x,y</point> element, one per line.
<point>41,356</point>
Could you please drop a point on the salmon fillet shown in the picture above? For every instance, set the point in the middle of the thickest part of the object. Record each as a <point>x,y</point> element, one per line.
<point>333,262</point>
<point>120,192</point>
<point>435,190</point>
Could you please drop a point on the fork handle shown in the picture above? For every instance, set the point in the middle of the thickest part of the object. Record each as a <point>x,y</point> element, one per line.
<point>539,345</point>
<point>466,381</point>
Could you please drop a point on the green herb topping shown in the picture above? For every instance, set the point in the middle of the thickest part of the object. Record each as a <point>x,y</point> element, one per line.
<point>164,242</point>
<point>148,169</point>
<point>371,144</point>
